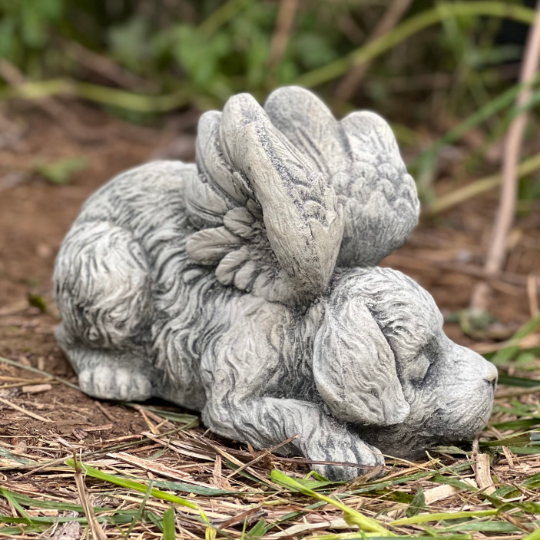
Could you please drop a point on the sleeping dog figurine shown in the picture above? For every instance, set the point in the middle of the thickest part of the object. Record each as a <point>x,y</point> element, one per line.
<point>245,287</point>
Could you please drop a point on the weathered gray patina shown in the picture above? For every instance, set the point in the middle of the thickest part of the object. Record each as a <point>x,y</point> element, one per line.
<point>245,287</point>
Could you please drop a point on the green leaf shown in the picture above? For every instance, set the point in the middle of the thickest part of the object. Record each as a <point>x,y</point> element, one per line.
<point>52,505</point>
<point>137,517</point>
<point>130,44</point>
<point>506,354</point>
<point>61,171</point>
<point>532,481</point>
<point>6,453</point>
<point>506,491</point>
<point>152,517</point>
<point>192,488</point>
<point>483,526</point>
<point>316,484</point>
<point>36,300</point>
<point>524,450</point>
<point>423,518</point>
<point>517,381</point>
<point>352,517</point>
<point>313,50</point>
<point>258,530</point>
<point>136,486</point>
<point>533,536</point>
<point>418,503</point>
<point>169,527</point>
<point>439,479</point>
<point>46,520</point>
<point>522,439</point>
<point>517,424</point>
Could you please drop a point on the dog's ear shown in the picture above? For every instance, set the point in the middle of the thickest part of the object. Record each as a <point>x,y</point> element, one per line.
<point>354,367</point>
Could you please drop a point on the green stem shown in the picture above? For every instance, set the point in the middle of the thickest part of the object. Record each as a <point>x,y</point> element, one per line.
<point>410,27</point>
<point>221,16</point>
<point>98,94</point>
<point>484,113</point>
<point>351,516</point>
<point>477,188</point>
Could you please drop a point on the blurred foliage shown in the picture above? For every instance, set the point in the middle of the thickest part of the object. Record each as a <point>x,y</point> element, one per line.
<point>62,170</point>
<point>143,57</point>
<point>217,48</point>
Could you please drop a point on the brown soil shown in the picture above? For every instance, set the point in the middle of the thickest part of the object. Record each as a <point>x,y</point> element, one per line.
<point>35,215</point>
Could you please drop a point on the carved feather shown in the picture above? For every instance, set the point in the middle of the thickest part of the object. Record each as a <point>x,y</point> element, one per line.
<point>209,246</point>
<point>310,126</point>
<point>210,160</point>
<point>241,222</point>
<point>203,204</point>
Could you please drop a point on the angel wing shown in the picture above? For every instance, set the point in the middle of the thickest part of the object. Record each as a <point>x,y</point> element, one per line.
<point>284,193</point>
<point>269,221</point>
<point>360,158</point>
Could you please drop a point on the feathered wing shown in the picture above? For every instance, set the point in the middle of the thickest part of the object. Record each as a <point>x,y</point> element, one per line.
<point>360,158</point>
<point>269,220</point>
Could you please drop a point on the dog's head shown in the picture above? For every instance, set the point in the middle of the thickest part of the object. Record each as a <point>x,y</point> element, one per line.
<point>382,359</point>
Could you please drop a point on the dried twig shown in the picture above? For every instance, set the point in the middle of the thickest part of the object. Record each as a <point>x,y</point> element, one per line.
<point>24,411</point>
<point>261,456</point>
<point>349,84</point>
<point>284,24</point>
<point>483,474</point>
<point>514,139</point>
<point>95,527</point>
<point>423,263</point>
<point>105,412</point>
<point>36,370</point>
<point>105,67</point>
<point>478,187</point>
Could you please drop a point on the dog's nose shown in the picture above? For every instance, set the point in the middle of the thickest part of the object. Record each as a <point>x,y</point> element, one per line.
<point>492,377</point>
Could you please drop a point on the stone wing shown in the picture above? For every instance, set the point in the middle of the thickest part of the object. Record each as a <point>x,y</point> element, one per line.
<point>360,160</point>
<point>267,218</point>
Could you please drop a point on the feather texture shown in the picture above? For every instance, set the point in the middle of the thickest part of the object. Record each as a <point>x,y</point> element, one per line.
<point>285,193</point>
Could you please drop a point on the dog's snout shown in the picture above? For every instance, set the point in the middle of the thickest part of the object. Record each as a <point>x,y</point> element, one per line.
<point>492,376</point>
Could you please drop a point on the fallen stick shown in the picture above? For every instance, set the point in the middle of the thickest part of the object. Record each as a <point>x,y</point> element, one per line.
<point>24,411</point>
<point>507,202</point>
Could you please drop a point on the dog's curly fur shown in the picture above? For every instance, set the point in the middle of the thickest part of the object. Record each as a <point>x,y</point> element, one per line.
<point>275,342</point>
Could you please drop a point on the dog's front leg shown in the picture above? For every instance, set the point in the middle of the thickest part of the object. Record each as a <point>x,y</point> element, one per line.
<point>265,422</point>
<point>244,366</point>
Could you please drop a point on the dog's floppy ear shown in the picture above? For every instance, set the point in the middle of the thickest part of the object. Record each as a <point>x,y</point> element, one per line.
<point>354,367</point>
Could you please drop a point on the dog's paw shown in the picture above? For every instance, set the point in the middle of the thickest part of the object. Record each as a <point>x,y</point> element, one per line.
<point>118,383</point>
<point>363,454</point>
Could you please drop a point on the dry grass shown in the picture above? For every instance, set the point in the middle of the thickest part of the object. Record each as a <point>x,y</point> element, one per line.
<point>171,480</point>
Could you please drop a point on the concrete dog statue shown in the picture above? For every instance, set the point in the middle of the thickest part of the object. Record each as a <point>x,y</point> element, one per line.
<point>245,287</point>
